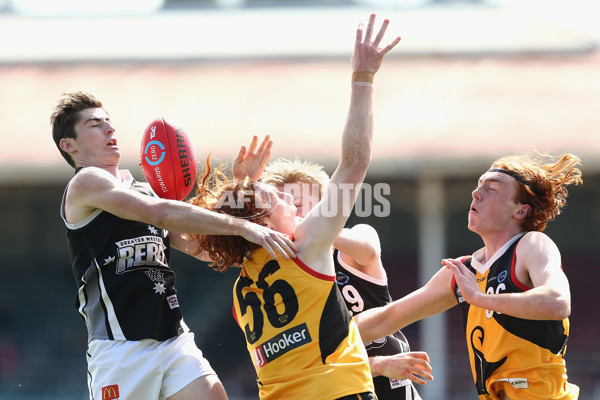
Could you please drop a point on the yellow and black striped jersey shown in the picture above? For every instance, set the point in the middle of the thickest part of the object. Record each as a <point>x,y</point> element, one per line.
<point>301,338</point>
<point>523,358</point>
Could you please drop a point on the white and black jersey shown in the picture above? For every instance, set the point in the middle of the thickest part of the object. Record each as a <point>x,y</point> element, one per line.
<point>362,292</point>
<point>126,288</point>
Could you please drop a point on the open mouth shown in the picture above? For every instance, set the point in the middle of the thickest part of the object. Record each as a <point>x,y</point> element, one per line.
<point>112,143</point>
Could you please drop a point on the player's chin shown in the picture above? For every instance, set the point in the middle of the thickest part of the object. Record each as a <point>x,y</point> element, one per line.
<point>471,225</point>
<point>113,154</point>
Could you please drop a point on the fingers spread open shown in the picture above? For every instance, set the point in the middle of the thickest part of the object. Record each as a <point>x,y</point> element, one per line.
<point>369,31</point>
<point>381,32</point>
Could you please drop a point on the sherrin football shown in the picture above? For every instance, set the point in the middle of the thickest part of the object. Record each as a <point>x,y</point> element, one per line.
<point>167,159</point>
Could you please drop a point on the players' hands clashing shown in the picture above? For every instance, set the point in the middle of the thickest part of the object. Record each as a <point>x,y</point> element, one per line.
<point>250,162</point>
<point>367,55</point>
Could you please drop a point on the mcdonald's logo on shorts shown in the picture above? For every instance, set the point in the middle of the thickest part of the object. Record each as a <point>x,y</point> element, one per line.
<point>110,392</point>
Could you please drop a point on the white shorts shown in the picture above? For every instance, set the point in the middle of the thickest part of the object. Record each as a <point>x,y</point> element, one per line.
<point>145,369</point>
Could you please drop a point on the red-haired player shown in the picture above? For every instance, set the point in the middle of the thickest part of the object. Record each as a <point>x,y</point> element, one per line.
<point>513,293</point>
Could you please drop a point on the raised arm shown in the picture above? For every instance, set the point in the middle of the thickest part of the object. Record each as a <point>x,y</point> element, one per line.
<point>93,188</point>
<point>320,227</point>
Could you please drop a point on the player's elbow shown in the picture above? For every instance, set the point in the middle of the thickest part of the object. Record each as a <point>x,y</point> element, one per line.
<point>562,309</point>
<point>560,304</point>
<point>369,255</point>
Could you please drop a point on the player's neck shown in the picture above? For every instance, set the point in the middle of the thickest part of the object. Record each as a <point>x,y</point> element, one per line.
<point>493,242</point>
<point>112,169</point>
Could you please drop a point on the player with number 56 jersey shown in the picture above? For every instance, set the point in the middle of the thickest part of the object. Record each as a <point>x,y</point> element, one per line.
<point>301,338</point>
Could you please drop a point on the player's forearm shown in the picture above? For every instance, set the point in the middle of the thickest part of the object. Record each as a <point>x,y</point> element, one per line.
<point>182,217</point>
<point>378,322</point>
<point>358,131</point>
<point>541,303</point>
<point>377,369</point>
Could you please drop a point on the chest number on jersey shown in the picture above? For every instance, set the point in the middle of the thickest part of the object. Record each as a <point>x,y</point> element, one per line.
<point>352,297</point>
<point>490,290</point>
<point>278,291</point>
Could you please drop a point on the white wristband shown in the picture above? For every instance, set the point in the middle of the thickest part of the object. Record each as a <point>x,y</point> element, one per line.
<point>367,84</point>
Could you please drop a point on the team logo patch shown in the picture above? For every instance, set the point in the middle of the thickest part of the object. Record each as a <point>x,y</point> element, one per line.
<point>398,383</point>
<point>341,278</point>
<point>502,276</point>
<point>281,344</point>
<point>110,392</point>
<point>173,302</point>
<point>155,275</point>
<point>459,295</point>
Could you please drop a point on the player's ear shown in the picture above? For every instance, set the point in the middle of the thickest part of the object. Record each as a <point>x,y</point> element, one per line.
<point>522,211</point>
<point>67,145</point>
<point>267,222</point>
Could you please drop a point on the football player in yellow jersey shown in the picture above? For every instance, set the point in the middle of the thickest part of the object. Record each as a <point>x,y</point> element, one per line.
<point>361,277</point>
<point>513,292</point>
<point>302,340</point>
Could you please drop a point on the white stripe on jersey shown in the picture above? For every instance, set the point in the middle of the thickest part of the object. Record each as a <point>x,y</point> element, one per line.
<point>115,327</point>
<point>82,301</point>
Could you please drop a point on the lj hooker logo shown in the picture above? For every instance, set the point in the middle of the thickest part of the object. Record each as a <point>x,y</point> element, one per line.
<point>281,344</point>
<point>110,392</point>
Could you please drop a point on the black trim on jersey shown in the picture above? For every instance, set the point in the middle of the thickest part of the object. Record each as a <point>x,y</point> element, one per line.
<point>546,334</point>
<point>335,323</point>
<point>462,304</point>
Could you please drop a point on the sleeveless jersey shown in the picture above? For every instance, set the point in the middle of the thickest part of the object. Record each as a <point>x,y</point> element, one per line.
<point>362,292</point>
<point>301,338</point>
<point>126,288</point>
<point>523,358</point>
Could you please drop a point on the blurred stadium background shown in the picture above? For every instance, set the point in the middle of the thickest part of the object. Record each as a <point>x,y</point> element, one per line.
<point>470,81</point>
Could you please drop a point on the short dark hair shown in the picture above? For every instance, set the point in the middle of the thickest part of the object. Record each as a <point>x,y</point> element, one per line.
<point>65,115</point>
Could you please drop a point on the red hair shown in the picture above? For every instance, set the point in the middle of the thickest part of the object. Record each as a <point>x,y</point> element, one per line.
<point>218,193</point>
<point>542,182</point>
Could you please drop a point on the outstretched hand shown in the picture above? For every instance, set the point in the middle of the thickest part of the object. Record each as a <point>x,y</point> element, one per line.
<point>250,162</point>
<point>413,365</point>
<point>465,279</point>
<point>273,242</point>
<point>367,55</point>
